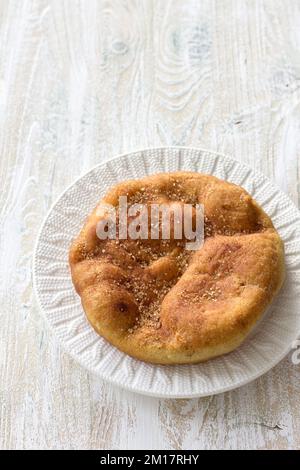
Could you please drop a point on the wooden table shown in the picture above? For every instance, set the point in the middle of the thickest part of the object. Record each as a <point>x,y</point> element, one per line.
<point>80,82</point>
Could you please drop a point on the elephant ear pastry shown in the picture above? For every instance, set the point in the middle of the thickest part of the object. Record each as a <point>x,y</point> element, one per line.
<point>162,303</point>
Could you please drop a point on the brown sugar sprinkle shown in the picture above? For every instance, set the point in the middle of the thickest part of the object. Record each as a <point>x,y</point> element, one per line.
<point>208,228</point>
<point>211,294</point>
<point>150,292</point>
<point>147,292</point>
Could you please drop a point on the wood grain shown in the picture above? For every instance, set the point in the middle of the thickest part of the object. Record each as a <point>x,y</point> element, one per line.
<point>81,81</point>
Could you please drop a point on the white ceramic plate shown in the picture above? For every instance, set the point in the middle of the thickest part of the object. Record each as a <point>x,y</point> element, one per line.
<point>267,344</point>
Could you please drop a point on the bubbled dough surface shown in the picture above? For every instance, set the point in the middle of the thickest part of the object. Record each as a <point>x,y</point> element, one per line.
<point>161,303</point>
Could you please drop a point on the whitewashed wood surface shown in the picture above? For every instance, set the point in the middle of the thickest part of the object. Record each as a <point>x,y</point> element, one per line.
<point>81,81</point>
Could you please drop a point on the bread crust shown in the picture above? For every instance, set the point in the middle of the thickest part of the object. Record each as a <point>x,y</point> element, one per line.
<point>161,303</point>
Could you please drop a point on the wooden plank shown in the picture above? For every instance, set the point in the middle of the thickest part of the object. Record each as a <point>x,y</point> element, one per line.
<point>80,82</point>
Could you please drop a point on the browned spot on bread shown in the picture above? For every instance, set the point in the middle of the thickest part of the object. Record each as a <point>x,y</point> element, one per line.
<point>122,307</point>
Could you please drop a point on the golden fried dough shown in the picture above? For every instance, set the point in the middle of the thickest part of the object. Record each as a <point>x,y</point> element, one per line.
<point>161,303</point>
